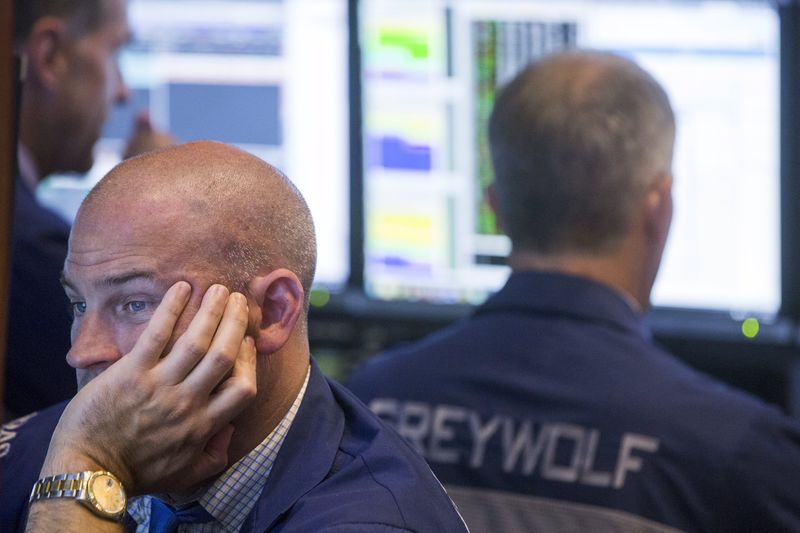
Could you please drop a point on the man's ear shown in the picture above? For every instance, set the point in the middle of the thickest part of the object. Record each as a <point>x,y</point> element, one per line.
<point>658,207</point>
<point>279,298</point>
<point>491,198</point>
<point>44,50</point>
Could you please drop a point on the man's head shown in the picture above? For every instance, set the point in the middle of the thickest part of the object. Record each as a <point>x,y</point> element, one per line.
<point>582,145</point>
<point>72,76</point>
<point>577,140</point>
<point>202,212</point>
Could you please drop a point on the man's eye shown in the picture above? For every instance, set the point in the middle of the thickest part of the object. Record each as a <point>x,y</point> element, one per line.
<point>77,308</point>
<point>136,306</point>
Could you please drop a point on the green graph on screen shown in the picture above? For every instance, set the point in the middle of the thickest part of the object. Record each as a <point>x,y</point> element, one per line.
<point>501,50</point>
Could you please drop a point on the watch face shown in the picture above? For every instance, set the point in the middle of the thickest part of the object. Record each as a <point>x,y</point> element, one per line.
<point>108,493</point>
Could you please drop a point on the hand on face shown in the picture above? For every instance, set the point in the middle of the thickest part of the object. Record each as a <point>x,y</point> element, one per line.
<point>163,424</point>
<point>146,138</point>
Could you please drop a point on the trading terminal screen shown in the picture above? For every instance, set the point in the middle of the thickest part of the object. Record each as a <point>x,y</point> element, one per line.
<point>267,76</point>
<point>430,72</point>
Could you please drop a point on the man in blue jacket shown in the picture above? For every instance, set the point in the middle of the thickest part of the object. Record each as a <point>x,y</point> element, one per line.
<point>301,453</point>
<point>550,409</point>
<point>71,82</point>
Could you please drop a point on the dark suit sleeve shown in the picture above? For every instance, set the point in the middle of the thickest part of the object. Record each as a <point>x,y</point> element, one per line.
<point>764,483</point>
<point>38,318</point>
<point>23,447</point>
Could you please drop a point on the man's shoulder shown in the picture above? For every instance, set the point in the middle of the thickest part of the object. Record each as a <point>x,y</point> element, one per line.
<point>23,447</point>
<point>376,463</point>
<point>416,361</point>
<point>763,470</point>
<point>374,479</point>
<point>503,335</point>
<point>28,435</point>
<point>28,208</point>
<point>36,224</point>
<point>458,368</point>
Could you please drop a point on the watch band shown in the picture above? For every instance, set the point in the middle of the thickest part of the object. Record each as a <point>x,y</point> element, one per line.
<point>76,485</point>
<point>70,485</point>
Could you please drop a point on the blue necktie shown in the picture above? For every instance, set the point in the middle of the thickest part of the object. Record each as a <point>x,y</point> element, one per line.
<point>165,519</point>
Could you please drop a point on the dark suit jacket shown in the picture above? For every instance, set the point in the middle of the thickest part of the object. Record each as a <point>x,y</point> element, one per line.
<point>551,409</point>
<point>339,469</point>
<point>37,374</point>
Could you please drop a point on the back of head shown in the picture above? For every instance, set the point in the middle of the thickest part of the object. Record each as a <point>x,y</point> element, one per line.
<point>235,215</point>
<point>576,140</point>
<point>83,16</point>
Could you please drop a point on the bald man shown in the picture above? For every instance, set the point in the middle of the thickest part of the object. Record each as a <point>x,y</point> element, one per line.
<point>550,409</point>
<point>304,455</point>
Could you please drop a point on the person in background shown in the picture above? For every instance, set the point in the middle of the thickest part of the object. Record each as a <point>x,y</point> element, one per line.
<point>304,454</point>
<point>71,80</point>
<point>550,408</point>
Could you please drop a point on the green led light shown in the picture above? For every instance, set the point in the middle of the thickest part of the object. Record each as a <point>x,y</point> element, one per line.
<point>319,297</point>
<point>750,328</point>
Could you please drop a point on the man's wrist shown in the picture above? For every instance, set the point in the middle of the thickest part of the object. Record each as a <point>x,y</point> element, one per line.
<point>60,462</point>
<point>67,516</point>
<point>68,463</point>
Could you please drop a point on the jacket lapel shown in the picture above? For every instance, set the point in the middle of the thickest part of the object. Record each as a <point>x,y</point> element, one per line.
<point>306,456</point>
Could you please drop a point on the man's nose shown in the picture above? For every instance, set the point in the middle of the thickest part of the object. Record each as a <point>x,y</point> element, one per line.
<point>93,343</point>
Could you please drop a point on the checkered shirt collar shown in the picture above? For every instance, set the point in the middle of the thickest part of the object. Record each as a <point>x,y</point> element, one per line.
<point>235,493</point>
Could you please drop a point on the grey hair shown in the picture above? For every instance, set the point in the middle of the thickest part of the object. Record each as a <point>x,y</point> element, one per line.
<point>576,140</point>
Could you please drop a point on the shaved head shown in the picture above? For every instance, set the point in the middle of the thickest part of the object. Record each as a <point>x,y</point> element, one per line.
<point>233,214</point>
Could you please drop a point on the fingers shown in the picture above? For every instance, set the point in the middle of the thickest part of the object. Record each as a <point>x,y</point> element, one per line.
<point>156,335</point>
<point>214,457</point>
<point>224,350</point>
<point>194,343</point>
<point>239,389</point>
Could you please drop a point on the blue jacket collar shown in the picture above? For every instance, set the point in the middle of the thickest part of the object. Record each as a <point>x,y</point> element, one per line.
<point>553,293</point>
<point>306,456</point>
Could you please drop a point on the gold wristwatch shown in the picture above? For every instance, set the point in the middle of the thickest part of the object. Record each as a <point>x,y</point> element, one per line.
<point>100,491</point>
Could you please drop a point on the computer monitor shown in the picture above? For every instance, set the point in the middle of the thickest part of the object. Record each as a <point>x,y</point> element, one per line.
<point>267,76</point>
<point>430,72</point>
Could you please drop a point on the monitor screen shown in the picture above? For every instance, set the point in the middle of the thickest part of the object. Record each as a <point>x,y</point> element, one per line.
<point>430,72</point>
<point>267,76</point>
